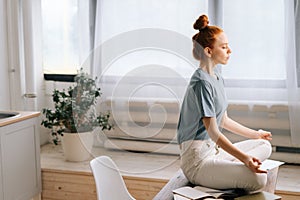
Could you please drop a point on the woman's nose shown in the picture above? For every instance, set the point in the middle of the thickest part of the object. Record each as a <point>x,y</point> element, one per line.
<point>229,50</point>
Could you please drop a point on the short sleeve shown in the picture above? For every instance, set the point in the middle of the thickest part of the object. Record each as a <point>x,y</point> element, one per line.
<point>204,95</point>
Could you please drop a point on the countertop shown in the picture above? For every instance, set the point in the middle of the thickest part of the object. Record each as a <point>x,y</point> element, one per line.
<point>23,116</point>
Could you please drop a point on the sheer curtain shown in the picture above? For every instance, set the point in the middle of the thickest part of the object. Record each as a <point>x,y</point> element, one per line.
<point>292,53</point>
<point>143,59</point>
<point>143,53</point>
<point>24,52</point>
<point>250,75</point>
<point>265,61</point>
<point>255,72</point>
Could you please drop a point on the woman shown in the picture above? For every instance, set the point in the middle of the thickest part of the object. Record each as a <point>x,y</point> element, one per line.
<point>208,158</point>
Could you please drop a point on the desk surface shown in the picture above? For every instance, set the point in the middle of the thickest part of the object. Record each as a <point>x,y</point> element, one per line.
<point>149,165</point>
<point>146,165</point>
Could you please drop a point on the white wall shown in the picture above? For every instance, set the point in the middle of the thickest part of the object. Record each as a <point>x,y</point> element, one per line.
<point>4,75</point>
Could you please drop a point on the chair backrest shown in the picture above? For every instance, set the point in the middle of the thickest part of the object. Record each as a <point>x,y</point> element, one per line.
<point>109,182</point>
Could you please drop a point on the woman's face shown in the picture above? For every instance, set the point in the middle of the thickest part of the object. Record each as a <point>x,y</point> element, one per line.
<point>221,51</point>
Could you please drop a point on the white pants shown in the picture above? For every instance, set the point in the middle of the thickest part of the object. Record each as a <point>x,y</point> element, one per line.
<point>204,164</point>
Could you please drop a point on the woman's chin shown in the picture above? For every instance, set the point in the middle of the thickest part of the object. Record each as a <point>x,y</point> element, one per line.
<point>224,63</point>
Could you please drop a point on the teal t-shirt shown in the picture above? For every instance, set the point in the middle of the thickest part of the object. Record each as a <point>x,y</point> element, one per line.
<point>205,97</point>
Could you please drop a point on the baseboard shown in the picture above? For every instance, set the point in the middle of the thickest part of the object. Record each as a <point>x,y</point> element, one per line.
<point>142,146</point>
<point>291,158</point>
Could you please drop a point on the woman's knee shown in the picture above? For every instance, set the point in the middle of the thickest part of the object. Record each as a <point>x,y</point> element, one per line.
<point>265,142</point>
<point>258,182</point>
<point>267,145</point>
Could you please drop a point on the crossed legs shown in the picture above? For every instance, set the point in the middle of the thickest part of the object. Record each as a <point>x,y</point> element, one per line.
<point>223,171</point>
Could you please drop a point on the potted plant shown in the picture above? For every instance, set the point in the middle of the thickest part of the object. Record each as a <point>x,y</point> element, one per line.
<point>74,117</point>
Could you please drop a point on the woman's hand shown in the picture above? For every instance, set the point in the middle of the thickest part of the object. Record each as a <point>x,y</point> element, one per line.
<point>254,164</point>
<point>266,135</point>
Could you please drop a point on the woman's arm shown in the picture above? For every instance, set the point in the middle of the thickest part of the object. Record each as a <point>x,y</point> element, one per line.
<point>211,126</point>
<point>239,129</point>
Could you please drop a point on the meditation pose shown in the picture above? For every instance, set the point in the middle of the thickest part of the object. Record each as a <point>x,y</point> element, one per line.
<point>208,158</point>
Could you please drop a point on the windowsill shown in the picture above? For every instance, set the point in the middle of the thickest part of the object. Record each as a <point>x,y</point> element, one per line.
<point>60,77</point>
<point>258,95</point>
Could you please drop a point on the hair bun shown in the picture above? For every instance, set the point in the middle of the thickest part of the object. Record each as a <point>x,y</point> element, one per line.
<point>201,22</point>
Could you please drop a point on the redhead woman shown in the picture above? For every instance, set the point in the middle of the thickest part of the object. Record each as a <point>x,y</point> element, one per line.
<point>208,158</point>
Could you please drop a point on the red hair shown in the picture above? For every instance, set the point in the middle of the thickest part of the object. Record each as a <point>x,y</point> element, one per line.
<point>205,38</point>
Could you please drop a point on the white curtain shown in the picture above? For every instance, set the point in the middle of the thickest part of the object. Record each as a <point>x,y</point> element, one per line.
<point>143,45</point>
<point>143,59</point>
<point>25,58</point>
<point>292,53</point>
<point>143,52</point>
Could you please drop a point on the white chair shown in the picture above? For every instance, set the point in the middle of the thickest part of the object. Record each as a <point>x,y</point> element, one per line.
<point>109,182</point>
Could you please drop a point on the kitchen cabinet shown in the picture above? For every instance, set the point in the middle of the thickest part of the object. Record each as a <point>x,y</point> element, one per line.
<point>20,171</point>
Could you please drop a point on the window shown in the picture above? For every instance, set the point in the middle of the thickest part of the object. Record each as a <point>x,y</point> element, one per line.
<point>66,35</point>
<point>256,35</point>
<point>255,31</point>
<point>146,47</point>
<point>257,67</point>
<point>134,17</point>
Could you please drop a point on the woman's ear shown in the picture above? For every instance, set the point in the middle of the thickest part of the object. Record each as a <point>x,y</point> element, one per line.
<point>207,52</point>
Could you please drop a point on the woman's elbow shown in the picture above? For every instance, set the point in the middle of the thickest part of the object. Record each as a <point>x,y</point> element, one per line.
<point>215,135</point>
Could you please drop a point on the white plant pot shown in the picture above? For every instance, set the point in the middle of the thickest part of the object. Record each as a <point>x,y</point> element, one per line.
<point>77,147</point>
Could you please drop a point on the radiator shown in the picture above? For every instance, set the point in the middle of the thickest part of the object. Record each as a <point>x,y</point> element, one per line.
<point>150,126</point>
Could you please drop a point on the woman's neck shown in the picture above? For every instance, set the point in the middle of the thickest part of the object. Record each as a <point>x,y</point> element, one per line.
<point>208,67</point>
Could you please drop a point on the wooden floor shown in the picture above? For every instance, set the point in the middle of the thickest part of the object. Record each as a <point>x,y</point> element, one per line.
<point>144,173</point>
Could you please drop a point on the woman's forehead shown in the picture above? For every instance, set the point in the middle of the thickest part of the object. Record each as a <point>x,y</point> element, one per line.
<point>222,38</point>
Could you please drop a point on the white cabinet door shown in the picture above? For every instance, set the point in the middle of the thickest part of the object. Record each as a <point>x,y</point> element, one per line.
<point>20,160</point>
<point>1,185</point>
